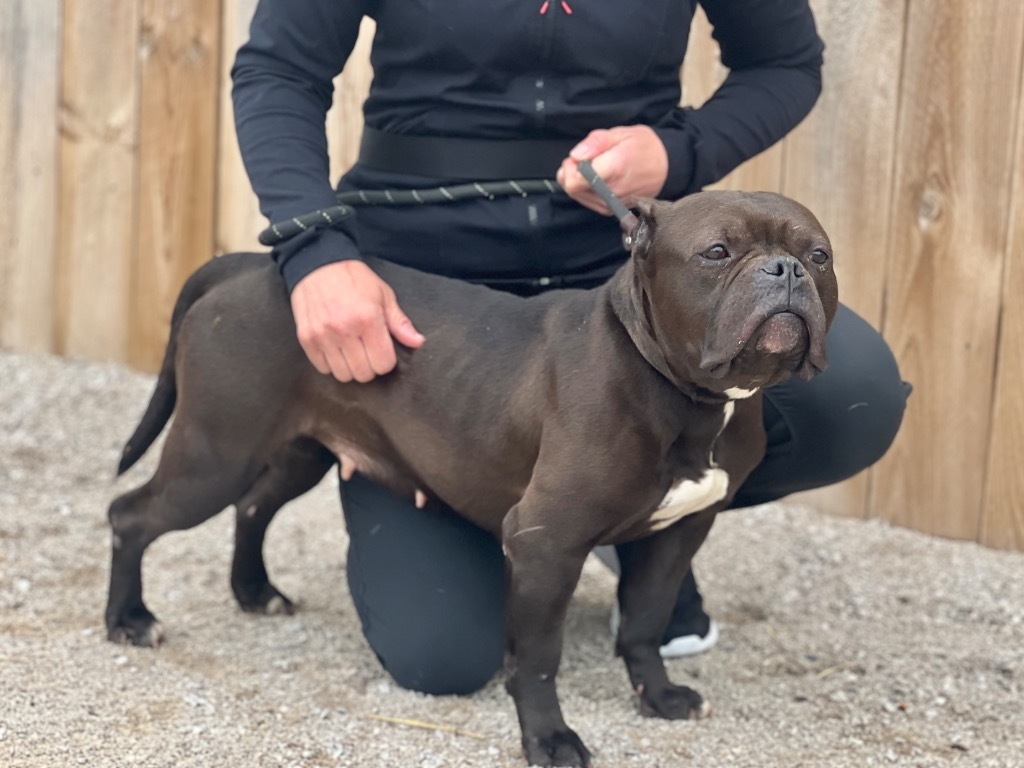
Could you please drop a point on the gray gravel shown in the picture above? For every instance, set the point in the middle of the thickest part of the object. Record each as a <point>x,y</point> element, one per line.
<point>844,643</point>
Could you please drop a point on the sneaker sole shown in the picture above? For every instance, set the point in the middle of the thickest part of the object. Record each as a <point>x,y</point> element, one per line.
<point>678,647</point>
<point>690,645</point>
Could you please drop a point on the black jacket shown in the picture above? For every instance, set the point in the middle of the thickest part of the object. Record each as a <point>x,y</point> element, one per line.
<point>504,69</point>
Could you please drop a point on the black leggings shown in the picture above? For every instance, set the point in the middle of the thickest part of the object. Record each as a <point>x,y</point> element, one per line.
<point>429,587</point>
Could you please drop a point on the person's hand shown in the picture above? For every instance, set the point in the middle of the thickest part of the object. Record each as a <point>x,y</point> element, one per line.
<point>345,317</point>
<point>631,160</point>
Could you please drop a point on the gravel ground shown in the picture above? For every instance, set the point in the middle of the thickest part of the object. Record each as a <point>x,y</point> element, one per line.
<point>844,643</point>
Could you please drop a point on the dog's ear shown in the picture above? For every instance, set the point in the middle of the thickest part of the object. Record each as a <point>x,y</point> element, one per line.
<point>642,236</point>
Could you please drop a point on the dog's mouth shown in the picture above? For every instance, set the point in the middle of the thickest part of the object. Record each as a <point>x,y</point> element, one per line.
<point>781,334</point>
<point>782,337</point>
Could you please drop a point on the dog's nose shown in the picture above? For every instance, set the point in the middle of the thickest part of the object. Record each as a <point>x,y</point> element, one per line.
<point>787,267</point>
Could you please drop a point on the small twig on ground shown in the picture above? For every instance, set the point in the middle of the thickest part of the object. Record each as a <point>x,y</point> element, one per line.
<point>428,726</point>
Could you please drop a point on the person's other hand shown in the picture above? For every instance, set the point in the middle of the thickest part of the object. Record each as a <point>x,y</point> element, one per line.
<point>631,160</point>
<point>345,317</point>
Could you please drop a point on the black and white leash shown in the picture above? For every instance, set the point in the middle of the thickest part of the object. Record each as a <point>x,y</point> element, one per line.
<point>334,215</point>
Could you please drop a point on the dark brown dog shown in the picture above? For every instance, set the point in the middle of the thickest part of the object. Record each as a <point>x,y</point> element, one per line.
<point>628,414</point>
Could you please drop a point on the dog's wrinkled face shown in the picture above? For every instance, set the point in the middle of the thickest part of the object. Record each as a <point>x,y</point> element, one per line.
<point>741,287</point>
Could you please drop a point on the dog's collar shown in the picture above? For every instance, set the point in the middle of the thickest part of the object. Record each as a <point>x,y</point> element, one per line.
<point>630,314</point>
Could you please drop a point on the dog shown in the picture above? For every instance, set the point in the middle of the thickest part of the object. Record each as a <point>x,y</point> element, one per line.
<point>627,414</point>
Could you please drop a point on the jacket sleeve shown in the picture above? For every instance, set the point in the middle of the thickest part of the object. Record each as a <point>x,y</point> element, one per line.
<point>774,57</point>
<point>282,89</point>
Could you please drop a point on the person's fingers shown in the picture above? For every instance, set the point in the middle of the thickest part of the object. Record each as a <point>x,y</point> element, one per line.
<point>631,160</point>
<point>596,142</point>
<point>378,348</point>
<point>345,316</point>
<point>398,323</point>
<point>308,337</point>
<point>337,362</point>
<point>578,188</point>
<point>610,166</point>
<point>356,362</point>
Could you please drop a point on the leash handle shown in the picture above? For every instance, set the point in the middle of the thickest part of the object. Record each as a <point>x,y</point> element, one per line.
<point>627,219</point>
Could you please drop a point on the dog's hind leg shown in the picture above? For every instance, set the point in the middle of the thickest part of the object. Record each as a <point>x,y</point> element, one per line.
<point>291,472</point>
<point>652,570</point>
<point>196,479</point>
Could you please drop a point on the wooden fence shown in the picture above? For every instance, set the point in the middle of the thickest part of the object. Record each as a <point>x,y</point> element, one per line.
<point>119,174</point>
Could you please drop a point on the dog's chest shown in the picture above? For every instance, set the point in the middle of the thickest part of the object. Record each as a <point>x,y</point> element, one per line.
<point>686,496</point>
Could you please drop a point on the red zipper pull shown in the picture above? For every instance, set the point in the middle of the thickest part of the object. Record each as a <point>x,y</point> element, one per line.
<point>544,8</point>
<point>566,8</point>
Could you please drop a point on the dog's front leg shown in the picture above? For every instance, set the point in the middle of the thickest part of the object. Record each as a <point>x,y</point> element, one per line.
<point>652,570</point>
<point>542,574</point>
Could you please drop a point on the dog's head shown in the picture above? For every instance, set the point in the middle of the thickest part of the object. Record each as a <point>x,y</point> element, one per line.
<point>737,289</point>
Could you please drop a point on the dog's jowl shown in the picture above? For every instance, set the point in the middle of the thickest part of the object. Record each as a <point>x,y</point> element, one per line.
<point>628,414</point>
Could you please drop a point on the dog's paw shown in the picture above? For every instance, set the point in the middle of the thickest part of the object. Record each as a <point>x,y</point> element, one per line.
<point>674,702</point>
<point>561,747</point>
<point>143,631</point>
<point>262,598</point>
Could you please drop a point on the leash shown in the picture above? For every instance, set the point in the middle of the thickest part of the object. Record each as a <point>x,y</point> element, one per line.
<point>628,221</point>
<point>334,215</point>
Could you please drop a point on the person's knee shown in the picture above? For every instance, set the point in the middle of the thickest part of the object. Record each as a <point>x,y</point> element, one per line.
<point>834,427</point>
<point>445,666</point>
<point>877,414</point>
<point>865,407</point>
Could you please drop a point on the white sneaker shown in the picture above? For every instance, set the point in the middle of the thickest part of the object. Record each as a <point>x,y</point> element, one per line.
<point>691,645</point>
<point>678,647</point>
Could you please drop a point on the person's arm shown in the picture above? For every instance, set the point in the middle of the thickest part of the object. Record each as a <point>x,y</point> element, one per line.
<point>282,88</point>
<point>774,57</point>
<point>773,53</point>
<point>345,315</point>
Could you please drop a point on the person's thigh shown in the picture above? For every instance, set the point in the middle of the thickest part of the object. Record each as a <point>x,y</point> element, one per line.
<point>834,426</point>
<point>429,588</point>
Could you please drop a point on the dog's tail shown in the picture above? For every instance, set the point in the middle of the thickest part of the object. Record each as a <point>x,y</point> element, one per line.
<point>161,404</point>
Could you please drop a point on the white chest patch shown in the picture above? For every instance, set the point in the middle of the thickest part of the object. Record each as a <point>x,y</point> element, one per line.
<point>737,393</point>
<point>689,496</point>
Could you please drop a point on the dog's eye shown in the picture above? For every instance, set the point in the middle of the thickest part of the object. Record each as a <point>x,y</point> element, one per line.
<point>819,256</point>
<point>716,252</point>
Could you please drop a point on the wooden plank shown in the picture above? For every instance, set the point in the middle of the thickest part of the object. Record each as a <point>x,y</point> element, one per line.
<point>840,163</point>
<point>1002,522</point>
<point>345,120</point>
<point>97,196</point>
<point>29,171</point>
<point>840,160</point>
<point>239,220</point>
<point>954,153</point>
<point>179,86</point>
<point>702,73</point>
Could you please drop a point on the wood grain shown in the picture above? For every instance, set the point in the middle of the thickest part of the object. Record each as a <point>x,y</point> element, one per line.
<point>950,216</point>
<point>29,171</point>
<point>239,220</point>
<point>180,47</point>
<point>345,120</point>
<point>98,200</point>
<point>839,163</point>
<point>702,73</point>
<point>1002,520</point>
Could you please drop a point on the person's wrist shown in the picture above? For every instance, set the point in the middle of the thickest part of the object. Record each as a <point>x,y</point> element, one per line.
<point>678,151</point>
<point>324,246</point>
